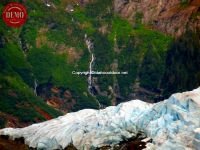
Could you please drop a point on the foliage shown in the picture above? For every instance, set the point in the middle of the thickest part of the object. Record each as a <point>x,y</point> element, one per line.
<point>104,100</point>
<point>2,122</point>
<point>182,64</point>
<point>85,102</point>
<point>141,52</point>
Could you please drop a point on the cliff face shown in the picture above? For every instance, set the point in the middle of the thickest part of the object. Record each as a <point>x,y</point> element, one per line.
<point>171,16</point>
<point>179,19</point>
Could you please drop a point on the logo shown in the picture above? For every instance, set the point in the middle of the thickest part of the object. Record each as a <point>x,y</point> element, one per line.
<point>14,14</point>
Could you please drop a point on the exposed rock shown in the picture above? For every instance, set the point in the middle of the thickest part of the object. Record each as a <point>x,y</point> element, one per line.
<point>57,97</point>
<point>103,29</point>
<point>169,16</point>
<point>43,113</point>
<point>83,2</point>
<point>72,54</point>
<point>69,8</point>
<point>11,121</point>
<point>6,144</point>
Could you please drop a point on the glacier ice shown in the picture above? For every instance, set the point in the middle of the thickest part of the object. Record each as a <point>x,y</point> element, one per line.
<point>171,124</point>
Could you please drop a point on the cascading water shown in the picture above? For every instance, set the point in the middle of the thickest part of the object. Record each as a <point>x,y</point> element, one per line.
<point>90,72</point>
<point>35,87</point>
<point>90,46</point>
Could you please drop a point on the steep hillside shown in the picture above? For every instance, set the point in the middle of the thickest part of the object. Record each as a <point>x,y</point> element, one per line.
<point>182,64</point>
<point>181,19</point>
<point>171,17</point>
<point>64,36</point>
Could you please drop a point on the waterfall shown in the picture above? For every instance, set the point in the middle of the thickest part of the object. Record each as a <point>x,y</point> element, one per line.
<point>35,87</point>
<point>90,70</point>
<point>90,46</point>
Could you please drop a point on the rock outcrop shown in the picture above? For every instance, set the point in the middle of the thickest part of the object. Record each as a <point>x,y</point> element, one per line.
<point>171,124</point>
<point>173,17</point>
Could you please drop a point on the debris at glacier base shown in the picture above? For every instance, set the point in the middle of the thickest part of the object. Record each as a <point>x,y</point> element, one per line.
<point>171,124</point>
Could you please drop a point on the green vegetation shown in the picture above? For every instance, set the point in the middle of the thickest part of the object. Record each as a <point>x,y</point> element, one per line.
<point>182,65</point>
<point>84,102</point>
<point>105,101</point>
<point>143,51</point>
<point>51,45</point>
<point>17,99</point>
<point>2,122</point>
<point>184,3</point>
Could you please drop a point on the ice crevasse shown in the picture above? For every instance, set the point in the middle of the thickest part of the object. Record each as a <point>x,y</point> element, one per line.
<point>171,124</point>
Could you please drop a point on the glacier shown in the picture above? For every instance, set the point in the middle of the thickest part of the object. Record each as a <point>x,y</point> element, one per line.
<point>173,124</point>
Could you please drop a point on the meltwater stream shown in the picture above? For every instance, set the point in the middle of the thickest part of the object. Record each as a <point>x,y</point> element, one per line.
<point>90,46</point>
<point>35,86</point>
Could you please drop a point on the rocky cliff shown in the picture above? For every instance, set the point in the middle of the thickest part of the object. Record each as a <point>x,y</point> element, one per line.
<point>169,16</point>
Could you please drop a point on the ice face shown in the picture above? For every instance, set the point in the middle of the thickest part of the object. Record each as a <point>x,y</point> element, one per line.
<point>172,124</point>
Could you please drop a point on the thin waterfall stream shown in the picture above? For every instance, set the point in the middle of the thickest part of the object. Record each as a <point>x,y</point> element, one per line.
<point>90,46</point>
<point>35,86</point>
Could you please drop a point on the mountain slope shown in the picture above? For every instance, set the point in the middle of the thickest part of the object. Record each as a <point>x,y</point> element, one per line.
<point>182,64</point>
<point>172,17</point>
<point>18,104</point>
<point>181,19</point>
<point>38,59</point>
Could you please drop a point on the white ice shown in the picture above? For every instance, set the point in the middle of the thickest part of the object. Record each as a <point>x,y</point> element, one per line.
<point>171,124</point>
